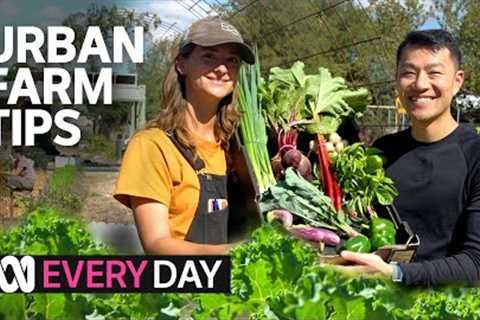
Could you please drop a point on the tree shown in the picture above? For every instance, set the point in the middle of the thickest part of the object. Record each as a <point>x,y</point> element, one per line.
<point>353,41</point>
<point>392,20</point>
<point>470,45</point>
<point>108,117</point>
<point>153,70</point>
<point>460,17</point>
<point>108,17</point>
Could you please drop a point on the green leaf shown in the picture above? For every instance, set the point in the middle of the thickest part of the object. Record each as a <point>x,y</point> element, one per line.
<point>55,306</point>
<point>349,309</point>
<point>311,310</point>
<point>325,124</point>
<point>384,198</point>
<point>13,306</point>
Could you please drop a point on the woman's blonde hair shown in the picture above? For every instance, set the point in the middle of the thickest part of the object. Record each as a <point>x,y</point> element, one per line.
<point>172,117</point>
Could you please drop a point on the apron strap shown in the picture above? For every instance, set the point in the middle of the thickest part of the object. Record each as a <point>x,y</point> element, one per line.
<point>196,163</point>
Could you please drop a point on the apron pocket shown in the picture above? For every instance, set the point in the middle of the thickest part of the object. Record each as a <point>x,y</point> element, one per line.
<point>216,226</point>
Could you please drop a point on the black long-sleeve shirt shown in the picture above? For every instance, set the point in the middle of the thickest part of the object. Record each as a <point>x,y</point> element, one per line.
<point>439,196</point>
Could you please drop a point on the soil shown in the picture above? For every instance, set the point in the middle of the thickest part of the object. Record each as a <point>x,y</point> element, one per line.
<point>100,206</point>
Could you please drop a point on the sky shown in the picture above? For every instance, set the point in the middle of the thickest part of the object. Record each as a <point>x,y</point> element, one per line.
<point>431,23</point>
<point>52,12</point>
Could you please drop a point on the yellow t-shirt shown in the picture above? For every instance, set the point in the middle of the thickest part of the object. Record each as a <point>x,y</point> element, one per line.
<point>153,168</point>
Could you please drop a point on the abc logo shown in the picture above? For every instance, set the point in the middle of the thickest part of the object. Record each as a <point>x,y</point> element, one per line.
<point>23,274</point>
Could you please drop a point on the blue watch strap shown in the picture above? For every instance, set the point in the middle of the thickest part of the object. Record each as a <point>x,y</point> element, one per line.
<point>397,274</point>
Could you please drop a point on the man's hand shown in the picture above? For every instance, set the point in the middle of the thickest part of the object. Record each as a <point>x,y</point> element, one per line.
<point>365,263</point>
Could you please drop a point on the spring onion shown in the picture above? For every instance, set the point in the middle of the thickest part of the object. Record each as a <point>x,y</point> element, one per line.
<point>252,125</point>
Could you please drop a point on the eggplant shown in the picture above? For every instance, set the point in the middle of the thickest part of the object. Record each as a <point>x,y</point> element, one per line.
<point>315,234</point>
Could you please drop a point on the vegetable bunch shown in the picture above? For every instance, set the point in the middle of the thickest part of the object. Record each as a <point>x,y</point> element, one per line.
<point>329,102</point>
<point>282,99</point>
<point>316,103</point>
<point>252,125</point>
<point>305,201</point>
<point>362,179</point>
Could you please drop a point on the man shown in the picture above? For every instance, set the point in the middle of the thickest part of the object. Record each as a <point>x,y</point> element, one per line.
<point>23,176</point>
<point>435,165</point>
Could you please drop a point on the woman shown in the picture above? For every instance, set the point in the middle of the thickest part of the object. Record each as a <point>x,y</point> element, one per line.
<point>173,173</point>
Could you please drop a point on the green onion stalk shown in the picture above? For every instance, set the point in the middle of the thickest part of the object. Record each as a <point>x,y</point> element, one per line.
<point>252,126</point>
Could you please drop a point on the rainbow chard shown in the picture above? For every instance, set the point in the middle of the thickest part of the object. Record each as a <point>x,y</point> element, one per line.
<point>328,102</point>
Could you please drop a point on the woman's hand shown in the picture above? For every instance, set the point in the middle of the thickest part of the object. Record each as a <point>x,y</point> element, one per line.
<point>365,263</point>
<point>153,228</point>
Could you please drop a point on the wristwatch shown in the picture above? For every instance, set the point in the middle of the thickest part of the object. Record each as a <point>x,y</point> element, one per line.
<point>397,274</point>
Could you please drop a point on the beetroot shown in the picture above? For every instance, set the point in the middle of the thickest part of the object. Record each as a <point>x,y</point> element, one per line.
<point>304,168</point>
<point>277,167</point>
<point>291,158</point>
<point>294,158</point>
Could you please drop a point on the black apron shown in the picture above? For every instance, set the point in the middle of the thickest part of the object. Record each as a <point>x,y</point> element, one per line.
<point>207,227</point>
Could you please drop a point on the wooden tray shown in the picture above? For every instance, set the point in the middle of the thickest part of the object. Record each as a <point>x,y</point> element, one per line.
<point>399,252</point>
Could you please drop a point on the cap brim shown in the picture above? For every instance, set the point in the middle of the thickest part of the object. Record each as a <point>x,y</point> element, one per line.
<point>245,52</point>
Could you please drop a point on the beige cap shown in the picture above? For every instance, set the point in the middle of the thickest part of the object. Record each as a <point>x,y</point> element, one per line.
<point>212,31</point>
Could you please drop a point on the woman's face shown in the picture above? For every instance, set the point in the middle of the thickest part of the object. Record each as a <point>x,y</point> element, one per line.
<point>210,72</point>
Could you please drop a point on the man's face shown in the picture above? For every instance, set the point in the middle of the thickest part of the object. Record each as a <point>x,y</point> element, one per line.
<point>427,81</point>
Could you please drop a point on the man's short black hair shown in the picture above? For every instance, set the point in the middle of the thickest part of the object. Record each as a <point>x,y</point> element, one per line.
<point>434,39</point>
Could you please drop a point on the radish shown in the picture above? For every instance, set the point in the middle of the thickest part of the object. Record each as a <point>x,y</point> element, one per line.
<point>315,234</point>
<point>282,215</point>
<point>334,138</point>
<point>339,147</point>
<point>329,146</point>
<point>333,154</point>
<point>312,145</point>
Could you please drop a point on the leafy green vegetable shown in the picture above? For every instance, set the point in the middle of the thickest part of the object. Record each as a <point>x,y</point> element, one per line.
<point>283,97</point>
<point>12,306</point>
<point>48,232</point>
<point>318,102</point>
<point>274,276</point>
<point>362,178</point>
<point>303,199</point>
<point>329,101</point>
